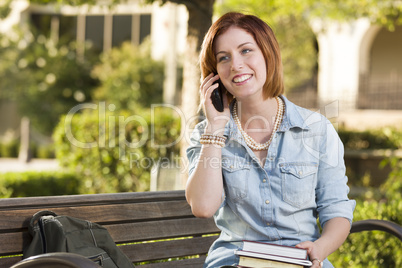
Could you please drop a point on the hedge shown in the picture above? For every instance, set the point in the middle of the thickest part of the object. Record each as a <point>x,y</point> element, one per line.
<point>23,184</point>
<point>116,151</point>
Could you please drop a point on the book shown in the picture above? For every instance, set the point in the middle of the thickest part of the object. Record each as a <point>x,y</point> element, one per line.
<point>273,249</point>
<point>263,256</point>
<point>260,263</point>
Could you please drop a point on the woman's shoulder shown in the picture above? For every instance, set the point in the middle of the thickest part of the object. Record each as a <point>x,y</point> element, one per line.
<point>304,112</point>
<point>307,119</point>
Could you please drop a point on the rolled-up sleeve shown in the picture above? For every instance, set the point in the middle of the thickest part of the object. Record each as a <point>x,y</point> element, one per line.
<point>332,189</point>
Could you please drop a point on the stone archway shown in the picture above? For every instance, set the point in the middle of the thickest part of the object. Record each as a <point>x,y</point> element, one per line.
<point>380,81</point>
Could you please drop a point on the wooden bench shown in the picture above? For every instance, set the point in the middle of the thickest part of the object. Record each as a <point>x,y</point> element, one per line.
<point>163,220</point>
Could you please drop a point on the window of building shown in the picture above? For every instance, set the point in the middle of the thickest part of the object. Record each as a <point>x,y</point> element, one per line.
<point>68,28</point>
<point>102,31</point>
<point>122,25</point>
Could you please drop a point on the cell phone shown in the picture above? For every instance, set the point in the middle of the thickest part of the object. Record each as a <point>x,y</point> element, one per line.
<point>217,97</point>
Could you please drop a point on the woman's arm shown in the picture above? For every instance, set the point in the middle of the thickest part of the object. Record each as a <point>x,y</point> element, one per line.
<point>204,189</point>
<point>334,208</point>
<point>334,233</point>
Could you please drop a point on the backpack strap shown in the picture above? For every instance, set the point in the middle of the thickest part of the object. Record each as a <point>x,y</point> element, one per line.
<point>36,217</point>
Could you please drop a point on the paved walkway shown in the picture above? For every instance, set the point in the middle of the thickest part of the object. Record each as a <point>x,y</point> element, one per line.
<point>14,165</point>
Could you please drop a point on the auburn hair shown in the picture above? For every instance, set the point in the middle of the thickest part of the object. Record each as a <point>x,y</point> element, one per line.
<point>265,39</point>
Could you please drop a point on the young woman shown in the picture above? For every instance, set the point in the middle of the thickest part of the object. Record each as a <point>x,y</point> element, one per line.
<point>265,168</point>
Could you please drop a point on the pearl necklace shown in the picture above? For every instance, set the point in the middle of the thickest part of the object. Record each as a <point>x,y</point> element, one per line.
<point>249,140</point>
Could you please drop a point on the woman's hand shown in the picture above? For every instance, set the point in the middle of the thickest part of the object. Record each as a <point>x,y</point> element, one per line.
<point>314,252</point>
<point>216,120</point>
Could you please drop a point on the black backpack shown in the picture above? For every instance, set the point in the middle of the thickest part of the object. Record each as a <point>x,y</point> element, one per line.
<point>53,233</point>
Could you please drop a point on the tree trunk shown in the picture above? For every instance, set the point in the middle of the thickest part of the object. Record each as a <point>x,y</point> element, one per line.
<point>200,19</point>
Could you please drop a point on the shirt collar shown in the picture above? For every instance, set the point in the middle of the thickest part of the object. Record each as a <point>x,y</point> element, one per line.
<point>292,117</point>
<point>230,127</point>
<point>231,131</point>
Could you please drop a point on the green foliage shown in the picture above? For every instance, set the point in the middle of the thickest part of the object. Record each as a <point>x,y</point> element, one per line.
<point>42,150</point>
<point>115,151</point>
<point>77,2</point>
<point>375,248</point>
<point>384,138</point>
<point>392,188</point>
<point>381,12</point>
<point>386,13</point>
<point>9,148</point>
<point>23,184</point>
<point>372,248</point>
<point>129,77</point>
<point>5,9</point>
<point>45,78</point>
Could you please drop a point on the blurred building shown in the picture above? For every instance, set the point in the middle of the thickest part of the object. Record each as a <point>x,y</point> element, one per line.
<point>106,27</point>
<point>361,66</point>
<point>359,73</point>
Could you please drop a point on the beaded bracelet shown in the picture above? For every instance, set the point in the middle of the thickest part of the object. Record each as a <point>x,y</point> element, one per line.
<point>213,139</point>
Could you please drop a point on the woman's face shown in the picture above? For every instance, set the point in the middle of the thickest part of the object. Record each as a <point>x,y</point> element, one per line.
<point>240,63</point>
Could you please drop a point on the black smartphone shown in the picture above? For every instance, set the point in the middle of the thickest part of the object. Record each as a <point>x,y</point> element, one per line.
<point>217,97</point>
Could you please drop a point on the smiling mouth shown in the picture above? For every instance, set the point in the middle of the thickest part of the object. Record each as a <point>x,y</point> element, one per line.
<point>241,78</point>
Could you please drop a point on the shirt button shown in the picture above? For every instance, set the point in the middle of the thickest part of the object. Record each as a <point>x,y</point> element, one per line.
<point>267,202</point>
<point>300,172</point>
<point>264,180</point>
<point>268,224</point>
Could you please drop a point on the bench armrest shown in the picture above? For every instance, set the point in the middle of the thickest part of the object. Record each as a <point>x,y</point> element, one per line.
<point>379,225</point>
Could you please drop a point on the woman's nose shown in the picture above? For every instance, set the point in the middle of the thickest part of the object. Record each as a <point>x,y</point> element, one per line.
<point>237,64</point>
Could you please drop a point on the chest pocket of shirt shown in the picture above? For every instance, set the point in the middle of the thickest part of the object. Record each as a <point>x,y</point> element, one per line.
<point>298,182</point>
<point>235,172</point>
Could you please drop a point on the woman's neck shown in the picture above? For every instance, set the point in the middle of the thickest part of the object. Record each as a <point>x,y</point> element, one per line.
<point>257,114</point>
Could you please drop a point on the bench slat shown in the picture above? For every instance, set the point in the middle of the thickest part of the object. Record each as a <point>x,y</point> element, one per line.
<point>132,232</point>
<point>153,251</point>
<point>168,249</point>
<point>188,263</point>
<point>89,199</point>
<point>13,243</point>
<point>102,214</point>
<point>8,262</point>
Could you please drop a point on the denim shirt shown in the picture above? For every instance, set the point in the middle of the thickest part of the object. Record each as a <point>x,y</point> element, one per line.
<point>303,178</point>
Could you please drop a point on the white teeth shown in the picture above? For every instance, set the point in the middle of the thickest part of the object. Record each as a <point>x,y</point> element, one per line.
<point>241,78</point>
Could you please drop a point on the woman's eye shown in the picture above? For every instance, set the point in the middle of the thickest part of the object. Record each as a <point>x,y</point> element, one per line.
<point>223,58</point>
<point>245,51</point>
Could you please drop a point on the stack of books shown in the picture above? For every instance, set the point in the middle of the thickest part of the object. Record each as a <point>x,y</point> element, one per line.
<point>264,255</point>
